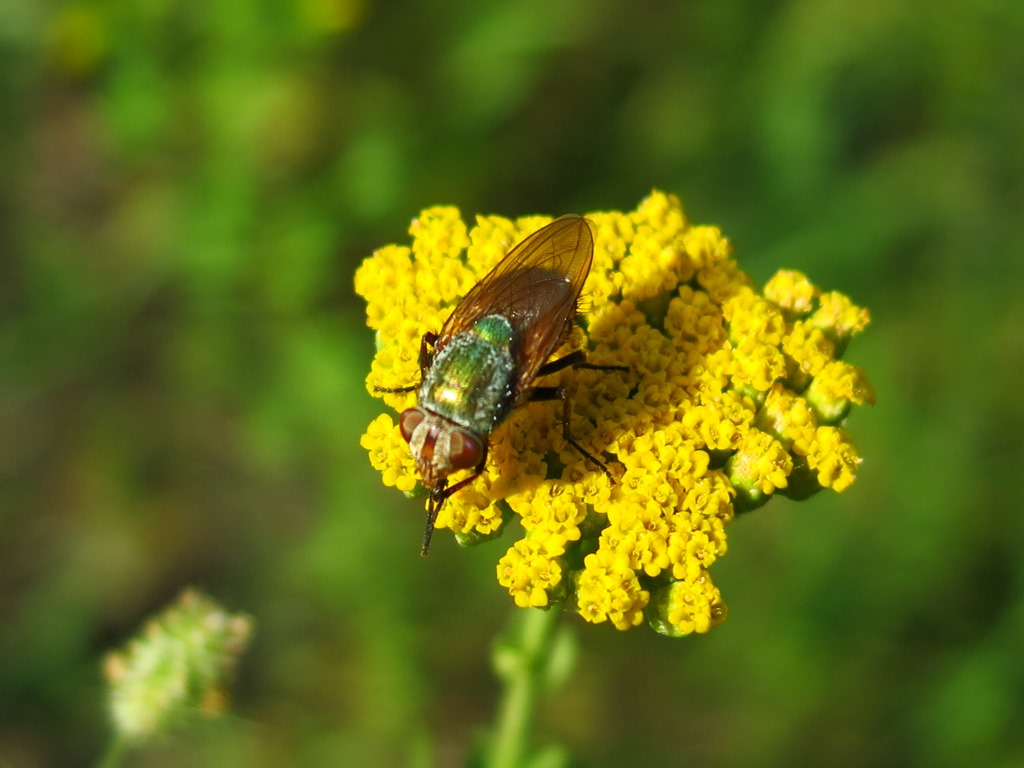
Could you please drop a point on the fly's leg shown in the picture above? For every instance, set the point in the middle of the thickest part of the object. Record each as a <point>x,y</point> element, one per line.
<point>439,494</point>
<point>577,359</point>
<point>426,358</point>
<point>426,355</point>
<point>559,393</point>
<point>395,390</point>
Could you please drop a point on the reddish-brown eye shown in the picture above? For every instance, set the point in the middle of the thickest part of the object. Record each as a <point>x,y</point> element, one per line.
<point>408,421</point>
<point>466,450</point>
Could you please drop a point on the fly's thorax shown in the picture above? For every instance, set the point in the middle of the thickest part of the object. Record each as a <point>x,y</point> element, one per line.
<point>440,446</point>
<point>469,382</point>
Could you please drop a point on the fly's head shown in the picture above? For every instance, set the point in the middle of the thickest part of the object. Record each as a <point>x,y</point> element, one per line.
<point>440,447</point>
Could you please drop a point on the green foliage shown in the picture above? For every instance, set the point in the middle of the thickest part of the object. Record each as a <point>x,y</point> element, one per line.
<point>188,188</point>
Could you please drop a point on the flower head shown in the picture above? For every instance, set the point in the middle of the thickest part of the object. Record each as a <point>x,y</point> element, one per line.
<point>178,666</point>
<point>730,395</point>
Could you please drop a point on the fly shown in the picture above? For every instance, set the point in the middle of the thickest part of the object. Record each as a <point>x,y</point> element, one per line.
<point>483,362</point>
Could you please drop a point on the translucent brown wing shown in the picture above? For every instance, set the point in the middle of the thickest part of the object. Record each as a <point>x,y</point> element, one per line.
<point>536,286</point>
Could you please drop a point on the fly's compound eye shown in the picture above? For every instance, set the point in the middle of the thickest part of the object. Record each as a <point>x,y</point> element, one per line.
<point>408,421</point>
<point>466,451</point>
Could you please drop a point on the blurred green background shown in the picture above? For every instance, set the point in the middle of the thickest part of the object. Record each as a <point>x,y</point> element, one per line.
<point>187,190</point>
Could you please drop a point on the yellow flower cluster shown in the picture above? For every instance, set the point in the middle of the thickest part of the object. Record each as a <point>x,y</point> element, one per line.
<point>730,396</point>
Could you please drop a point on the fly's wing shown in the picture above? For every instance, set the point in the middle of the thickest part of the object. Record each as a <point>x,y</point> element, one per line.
<point>536,286</point>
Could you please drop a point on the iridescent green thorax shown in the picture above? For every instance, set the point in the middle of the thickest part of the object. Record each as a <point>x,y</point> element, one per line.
<point>470,379</point>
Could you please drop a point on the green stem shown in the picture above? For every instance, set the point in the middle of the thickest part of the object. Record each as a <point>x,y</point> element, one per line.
<point>521,661</point>
<point>117,748</point>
